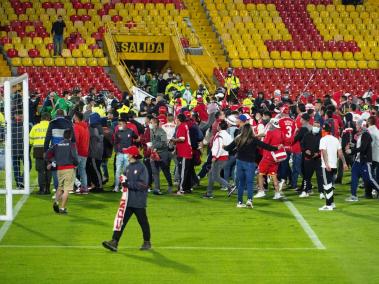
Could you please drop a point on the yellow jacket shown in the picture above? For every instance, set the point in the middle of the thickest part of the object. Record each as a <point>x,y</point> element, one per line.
<point>123,109</point>
<point>38,133</point>
<point>232,82</point>
<point>247,102</point>
<point>2,119</point>
<point>183,102</point>
<point>100,110</point>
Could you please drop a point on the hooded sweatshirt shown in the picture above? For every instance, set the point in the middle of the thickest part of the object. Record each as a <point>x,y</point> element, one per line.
<point>96,146</point>
<point>222,138</point>
<point>82,138</point>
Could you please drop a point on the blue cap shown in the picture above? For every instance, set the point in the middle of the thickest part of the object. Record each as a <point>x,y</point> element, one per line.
<point>242,117</point>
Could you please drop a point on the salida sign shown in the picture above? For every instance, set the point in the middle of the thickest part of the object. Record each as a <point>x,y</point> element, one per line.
<point>140,47</point>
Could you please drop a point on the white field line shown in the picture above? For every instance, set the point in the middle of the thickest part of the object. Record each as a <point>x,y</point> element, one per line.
<point>304,224</point>
<point>5,227</point>
<point>157,248</point>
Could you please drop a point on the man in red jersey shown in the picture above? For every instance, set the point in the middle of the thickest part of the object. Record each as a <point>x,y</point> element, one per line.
<point>184,154</point>
<point>288,128</point>
<point>267,165</point>
<point>201,109</point>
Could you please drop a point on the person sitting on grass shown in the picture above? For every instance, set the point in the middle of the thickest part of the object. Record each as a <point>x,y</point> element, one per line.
<point>135,185</point>
<point>64,157</point>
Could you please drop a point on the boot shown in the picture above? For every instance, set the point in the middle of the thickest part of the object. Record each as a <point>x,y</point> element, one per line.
<point>111,245</point>
<point>146,245</point>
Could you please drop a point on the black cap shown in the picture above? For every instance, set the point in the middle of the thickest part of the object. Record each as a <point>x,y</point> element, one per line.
<point>306,116</point>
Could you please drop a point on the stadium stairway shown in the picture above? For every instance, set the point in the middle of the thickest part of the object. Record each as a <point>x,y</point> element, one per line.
<point>4,68</point>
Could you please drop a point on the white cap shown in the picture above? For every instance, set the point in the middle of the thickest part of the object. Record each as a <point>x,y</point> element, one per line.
<point>309,106</point>
<point>277,93</point>
<point>219,95</point>
<point>232,120</point>
<point>274,122</point>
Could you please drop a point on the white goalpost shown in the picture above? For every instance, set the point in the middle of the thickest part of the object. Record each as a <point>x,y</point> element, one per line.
<point>15,143</point>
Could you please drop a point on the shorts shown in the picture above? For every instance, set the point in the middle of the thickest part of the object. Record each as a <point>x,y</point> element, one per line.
<point>267,167</point>
<point>66,179</point>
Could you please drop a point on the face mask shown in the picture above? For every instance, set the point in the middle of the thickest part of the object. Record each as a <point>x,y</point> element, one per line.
<point>151,126</point>
<point>315,130</point>
<point>120,128</point>
<point>285,97</point>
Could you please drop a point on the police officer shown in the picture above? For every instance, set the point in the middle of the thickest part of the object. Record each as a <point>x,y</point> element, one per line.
<point>232,84</point>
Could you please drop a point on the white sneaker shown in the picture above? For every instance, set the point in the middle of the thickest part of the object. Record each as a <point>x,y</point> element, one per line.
<point>249,203</point>
<point>322,196</point>
<point>326,208</point>
<point>224,188</point>
<point>116,189</point>
<point>241,205</point>
<point>260,194</point>
<point>54,190</point>
<point>304,194</point>
<point>53,197</point>
<point>277,196</point>
<point>281,183</point>
<point>334,205</point>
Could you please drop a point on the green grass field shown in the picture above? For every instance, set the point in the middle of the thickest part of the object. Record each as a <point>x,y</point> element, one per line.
<point>194,240</point>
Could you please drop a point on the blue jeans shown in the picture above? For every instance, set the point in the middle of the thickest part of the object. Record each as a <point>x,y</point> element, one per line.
<point>364,171</point>
<point>54,174</point>
<point>229,168</point>
<point>246,177</point>
<point>58,44</point>
<point>104,167</point>
<point>121,163</point>
<point>82,171</point>
<point>296,169</point>
<point>17,173</point>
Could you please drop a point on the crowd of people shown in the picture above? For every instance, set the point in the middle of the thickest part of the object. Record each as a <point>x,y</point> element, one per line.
<point>232,140</point>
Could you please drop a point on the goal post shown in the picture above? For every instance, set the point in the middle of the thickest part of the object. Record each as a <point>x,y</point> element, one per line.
<point>16,144</point>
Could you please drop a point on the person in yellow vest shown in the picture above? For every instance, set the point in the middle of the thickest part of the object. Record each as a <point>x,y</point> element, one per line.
<point>123,109</point>
<point>201,92</point>
<point>249,100</point>
<point>37,139</point>
<point>171,87</point>
<point>232,85</point>
<point>178,96</point>
<point>99,109</point>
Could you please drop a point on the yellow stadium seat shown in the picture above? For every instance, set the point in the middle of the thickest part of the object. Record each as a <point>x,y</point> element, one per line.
<point>317,55</point>
<point>26,61</point>
<point>23,53</point>
<point>16,61</point>
<point>254,54</point>
<point>372,64</point>
<point>348,55</point>
<point>288,63</point>
<point>341,64</point>
<point>48,61</point>
<point>275,54</point>
<point>92,62</point>
<point>59,61</point>
<point>351,64</point>
<point>81,62</point>
<point>44,52</point>
<point>285,54</point>
<point>257,63</point>
<point>278,63</point>
<point>70,61</point>
<point>330,63</point>
<point>337,55</point>
<point>296,55</point>
<point>87,53</point>
<point>268,63</point>
<point>264,54</point>
<point>236,63</point>
<point>8,46</point>
<point>320,64</point>
<point>38,62</point>
<point>299,63</point>
<point>98,53</point>
<point>358,56</point>
<point>309,63</point>
<point>362,64</point>
<point>66,53</point>
<point>246,63</point>
<point>327,55</point>
<point>102,61</point>
<point>16,40</point>
<point>76,53</point>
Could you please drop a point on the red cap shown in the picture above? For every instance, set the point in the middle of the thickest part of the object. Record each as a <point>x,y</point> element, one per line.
<point>246,110</point>
<point>284,109</point>
<point>200,100</point>
<point>187,114</point>
<point>132,150</point>
<point>162,109</point>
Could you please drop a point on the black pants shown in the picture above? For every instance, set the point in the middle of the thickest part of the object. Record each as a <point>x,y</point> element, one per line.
<point>94,172</point>
<point>328,185</point>
<point>186,171</point>
<point>44,176</point>
<point>349,162</point>
<point>142,220</point>
<point>309,168</point>
<point>146,162</point>
<point>156,166</point>
<point>17,160</point>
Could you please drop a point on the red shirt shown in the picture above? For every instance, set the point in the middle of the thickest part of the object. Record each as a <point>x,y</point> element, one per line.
<point>288,129</point>
<point>273,138</point>
<point>132,127</point>
<point>183,148</point>
<point>201,109</point>
<point>81,132</point>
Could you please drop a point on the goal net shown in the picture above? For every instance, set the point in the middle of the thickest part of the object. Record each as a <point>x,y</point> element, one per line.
<point>14,142</point>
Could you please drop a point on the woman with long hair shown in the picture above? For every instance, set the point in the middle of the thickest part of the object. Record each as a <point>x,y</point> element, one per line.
<point>246,146</point>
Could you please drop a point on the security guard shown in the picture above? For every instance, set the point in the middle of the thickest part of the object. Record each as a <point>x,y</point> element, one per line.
<point>201,92</point>
<point>37,139</point>
<point>249,101</point>
<point>232,84</point>
<point>172,86</point>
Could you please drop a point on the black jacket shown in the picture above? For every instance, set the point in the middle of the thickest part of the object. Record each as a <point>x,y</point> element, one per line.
<point>248,152</point>
<point>311,142</point>
<point>58,28</point>
<point>365,149</point>
<point>138,183</point>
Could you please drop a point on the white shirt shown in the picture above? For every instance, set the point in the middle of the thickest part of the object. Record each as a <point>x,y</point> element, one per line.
<point>331,144</point>
<point>169,128</point>
<point>374,132</point>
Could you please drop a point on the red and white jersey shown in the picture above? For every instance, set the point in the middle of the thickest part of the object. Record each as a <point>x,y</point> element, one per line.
<point>169,128</point>
<point>274,138</point>
<point>288,129</point>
